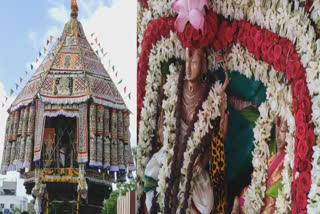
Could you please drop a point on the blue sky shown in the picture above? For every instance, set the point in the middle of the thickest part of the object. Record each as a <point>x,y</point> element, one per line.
<point>25,26</point>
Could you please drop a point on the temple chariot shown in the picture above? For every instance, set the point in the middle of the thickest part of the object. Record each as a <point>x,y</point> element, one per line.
<point>67,133</point>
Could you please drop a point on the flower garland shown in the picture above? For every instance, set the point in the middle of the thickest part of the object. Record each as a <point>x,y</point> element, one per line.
<point>299,28</point>
<point>143,18</point>
<point>272,54</point>
<point>192,38</point>
<point>313,73</point>
<point>161,52</point>
<point>211,110</point>
<point>295,26</point>
<point>315,12</point>
<point>160,8</point>
<point>278,17</point>
<point>144,3</point>
<point>278,96</point>
<point>156,30</point>
<point>257,188</point>
<point>169,107</point>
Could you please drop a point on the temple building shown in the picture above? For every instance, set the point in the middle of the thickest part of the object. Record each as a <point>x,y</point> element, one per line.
<point>67,133</point>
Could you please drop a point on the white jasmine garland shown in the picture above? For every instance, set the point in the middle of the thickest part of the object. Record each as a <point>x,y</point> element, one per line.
<point>144,16</point>
<point>211,110</point>
<point>169,107</point>
<point>315,14</point>
<point>161,8</point>
<point>314,194</point>
<point>313,72</point>
<point>162,51</point>
<point>279,102</point>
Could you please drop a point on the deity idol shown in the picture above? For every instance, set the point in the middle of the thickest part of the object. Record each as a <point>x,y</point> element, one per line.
<point>208,190</point>
<point>275,167</point>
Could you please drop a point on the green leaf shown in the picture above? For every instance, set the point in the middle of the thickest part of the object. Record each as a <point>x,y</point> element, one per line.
<point>318,141</point>
<point>273,146</point>
<point>165,68</point>
<point>250,113</point>
<point>274,190</point>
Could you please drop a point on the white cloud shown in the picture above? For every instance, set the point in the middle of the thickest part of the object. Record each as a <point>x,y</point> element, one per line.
<point>88,7</point>
<point>115,29</point>
<point>33,37</point>
<point>59,13</point>
<point>39,41</point>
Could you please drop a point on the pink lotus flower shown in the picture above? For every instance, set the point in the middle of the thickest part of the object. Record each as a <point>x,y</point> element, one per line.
<point>189,10</point>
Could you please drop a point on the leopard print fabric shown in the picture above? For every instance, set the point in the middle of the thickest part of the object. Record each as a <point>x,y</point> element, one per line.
<point>217,173</point>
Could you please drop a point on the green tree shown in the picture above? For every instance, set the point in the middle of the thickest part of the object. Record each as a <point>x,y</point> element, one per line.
<point>15,211</point>
<point>110,205</point>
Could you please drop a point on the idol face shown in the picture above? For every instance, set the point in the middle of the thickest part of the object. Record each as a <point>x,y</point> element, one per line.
<point>281,131</point>
<point>193,64</point>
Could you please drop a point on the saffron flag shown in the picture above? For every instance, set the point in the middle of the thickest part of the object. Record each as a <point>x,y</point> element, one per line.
<point>11,91</point>
<point>44,51</point>
<point>20,80</point>
<point>26,72</point>
<point>51,38</point>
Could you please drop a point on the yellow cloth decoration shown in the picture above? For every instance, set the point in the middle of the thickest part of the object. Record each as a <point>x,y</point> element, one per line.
<point>72,24</point>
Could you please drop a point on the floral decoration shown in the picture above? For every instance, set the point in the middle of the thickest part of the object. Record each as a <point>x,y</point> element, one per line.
<point>279,34</point>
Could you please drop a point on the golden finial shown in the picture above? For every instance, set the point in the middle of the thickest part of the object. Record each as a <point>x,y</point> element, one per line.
<point>74,9</point>
<point>74,4</point>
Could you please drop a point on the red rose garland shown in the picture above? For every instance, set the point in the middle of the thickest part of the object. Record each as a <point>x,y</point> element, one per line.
<point>281,54</point>
<point>156,29</point>
<point>265,46</point>
<point>195,39</point>
<point>144,3</point>
<point>308,5</point>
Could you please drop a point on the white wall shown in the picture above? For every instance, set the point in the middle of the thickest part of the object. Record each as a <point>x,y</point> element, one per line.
<point>18,201</point>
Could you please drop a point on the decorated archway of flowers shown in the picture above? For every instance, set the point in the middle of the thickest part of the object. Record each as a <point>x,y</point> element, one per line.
<point>269,38</point>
